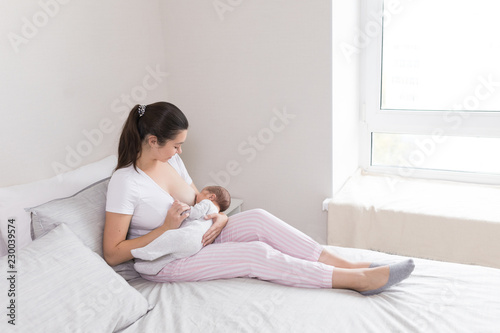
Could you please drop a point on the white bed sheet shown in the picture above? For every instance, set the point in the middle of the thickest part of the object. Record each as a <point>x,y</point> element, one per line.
<point>438,297</point>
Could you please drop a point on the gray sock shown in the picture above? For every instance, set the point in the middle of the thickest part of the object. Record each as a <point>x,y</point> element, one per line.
<point>398,272</point>
<point>380,263</point>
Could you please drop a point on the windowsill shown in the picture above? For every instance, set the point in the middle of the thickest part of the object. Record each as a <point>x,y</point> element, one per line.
<point>440,220</point>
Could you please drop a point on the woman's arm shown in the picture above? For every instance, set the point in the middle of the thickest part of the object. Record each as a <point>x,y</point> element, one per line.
<point>116,246</point>
<point>220,221</point>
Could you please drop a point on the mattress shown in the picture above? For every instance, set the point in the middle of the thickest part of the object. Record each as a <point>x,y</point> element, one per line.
<point>438,297</point>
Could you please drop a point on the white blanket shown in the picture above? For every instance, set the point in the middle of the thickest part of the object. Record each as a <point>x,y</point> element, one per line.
<point>177,243</point>
<point>437,297</point>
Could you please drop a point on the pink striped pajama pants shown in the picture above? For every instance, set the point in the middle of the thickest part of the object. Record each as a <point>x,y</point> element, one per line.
<point>254,244</point>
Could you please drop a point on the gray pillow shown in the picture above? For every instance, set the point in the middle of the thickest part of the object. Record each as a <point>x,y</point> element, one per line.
<point>84,213</point>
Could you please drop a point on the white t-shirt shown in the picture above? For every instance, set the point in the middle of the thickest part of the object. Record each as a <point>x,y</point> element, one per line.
<point>134,193</point>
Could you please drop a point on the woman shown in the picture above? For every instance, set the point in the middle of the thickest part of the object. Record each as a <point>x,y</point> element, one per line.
<point>151,188</point>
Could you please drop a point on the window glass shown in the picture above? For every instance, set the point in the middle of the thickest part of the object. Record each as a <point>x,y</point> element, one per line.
<point>441,55</point>
<point>437,152</point>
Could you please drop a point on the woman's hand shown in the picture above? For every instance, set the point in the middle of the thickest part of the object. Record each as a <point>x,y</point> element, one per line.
<point>174,216</point>
<point>220,221</point>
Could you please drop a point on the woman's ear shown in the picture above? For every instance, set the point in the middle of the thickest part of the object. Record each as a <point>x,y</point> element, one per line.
<point>152,140</point>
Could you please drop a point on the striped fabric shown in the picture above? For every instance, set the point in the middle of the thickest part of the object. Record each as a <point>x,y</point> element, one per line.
<point>254,244</point>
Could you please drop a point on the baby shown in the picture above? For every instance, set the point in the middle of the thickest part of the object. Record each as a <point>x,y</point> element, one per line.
<point>185,241</point>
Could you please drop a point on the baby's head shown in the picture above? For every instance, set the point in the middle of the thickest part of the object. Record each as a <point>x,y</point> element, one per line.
<point>217,194</point>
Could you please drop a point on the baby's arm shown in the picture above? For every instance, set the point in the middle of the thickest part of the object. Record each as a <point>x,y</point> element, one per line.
<point>201,209</point>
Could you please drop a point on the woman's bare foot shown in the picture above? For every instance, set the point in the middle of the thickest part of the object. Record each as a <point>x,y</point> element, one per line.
<point>371,281</point>
<point>360,279</point>
<point>397,273</point>
<point>328,258</point>
<point>375,278</point>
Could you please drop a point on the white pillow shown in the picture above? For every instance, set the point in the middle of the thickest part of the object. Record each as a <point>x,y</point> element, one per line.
<point>62,286</point>
<point>14,199</point>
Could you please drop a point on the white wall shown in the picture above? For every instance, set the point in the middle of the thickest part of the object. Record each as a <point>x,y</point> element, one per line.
<point>66,68</point>
<point>347,48</point>
<point>72,68</point>
<point>231,68</point>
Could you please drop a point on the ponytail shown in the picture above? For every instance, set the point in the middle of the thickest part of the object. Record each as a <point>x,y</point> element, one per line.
<point>161,119</point>
<point>130,143</point>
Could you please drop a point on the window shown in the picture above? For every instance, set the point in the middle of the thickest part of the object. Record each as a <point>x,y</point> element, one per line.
<point>431,88</point>
<point>436,152</point>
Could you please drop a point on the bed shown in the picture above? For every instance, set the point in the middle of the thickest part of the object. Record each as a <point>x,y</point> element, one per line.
<point>55,280</point>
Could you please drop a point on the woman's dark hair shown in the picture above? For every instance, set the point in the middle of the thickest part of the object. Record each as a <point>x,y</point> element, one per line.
<point>163,120</point>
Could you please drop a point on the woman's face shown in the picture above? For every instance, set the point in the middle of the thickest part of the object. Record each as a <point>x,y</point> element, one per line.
<point>172,147</point>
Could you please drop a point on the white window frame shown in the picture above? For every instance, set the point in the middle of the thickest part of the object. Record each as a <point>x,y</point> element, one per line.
<point>374,119</point>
